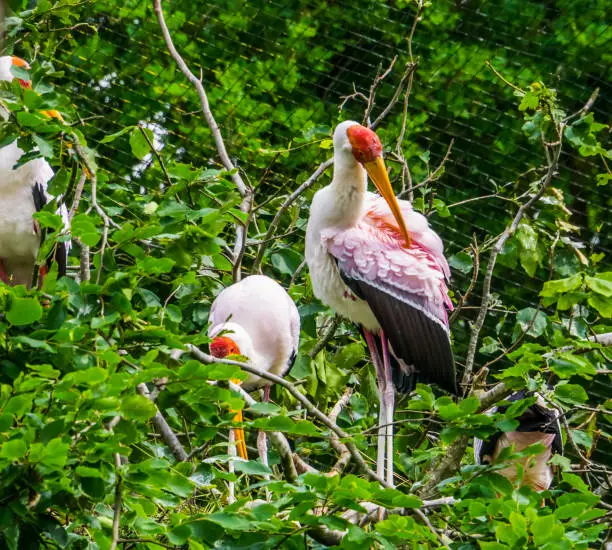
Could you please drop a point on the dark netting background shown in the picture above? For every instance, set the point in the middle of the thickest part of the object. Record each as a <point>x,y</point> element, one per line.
<point>277,72</point>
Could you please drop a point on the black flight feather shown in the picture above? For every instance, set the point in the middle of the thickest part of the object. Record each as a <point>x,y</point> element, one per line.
<point>421,345</point>
<point>60,254</point>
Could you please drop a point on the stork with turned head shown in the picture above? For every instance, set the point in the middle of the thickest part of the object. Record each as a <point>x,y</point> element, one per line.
<point>257,319</point>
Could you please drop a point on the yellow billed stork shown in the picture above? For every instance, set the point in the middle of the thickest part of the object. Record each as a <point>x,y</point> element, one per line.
<point>257,319</point>
<point>23,191</point>
<point>378,263</point>
<point>538,424</point>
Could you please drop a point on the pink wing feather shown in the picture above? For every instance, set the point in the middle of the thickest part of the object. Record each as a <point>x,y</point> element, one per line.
<point>373,251</point>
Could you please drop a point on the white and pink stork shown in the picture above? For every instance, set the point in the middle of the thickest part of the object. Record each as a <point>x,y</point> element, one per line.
<point>257,319</point>
<point>378,263</point>
<point>23,191</point>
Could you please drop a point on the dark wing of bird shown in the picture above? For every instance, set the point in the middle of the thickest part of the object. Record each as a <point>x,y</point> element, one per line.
<point>60,253</point>
<point>419,342</point>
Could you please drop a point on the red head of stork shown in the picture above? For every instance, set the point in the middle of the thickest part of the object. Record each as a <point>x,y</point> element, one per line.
<point>257,319</point>
<point>23,191</point>
<point>378,263</point>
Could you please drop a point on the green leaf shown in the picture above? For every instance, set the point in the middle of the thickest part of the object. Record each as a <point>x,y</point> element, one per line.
<point>138,407</point>
<point>233,522</point>
<point>251,467</point>
<point>82,227</point>
<point>24,311</point>
<point>44,147</point>
<point>571,393</point>
<point>156,266</point>
<point>13,449</point>
<point>112,137</point>
<point>525,317</point>
<point>542,528</point>
<point>462,262</point>
<point>602,284</point>
<point>552,289</point>
<point>602,305</point>
<point>138,142</point>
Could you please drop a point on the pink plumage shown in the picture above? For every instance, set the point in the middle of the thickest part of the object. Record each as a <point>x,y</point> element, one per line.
<point>374,251</point>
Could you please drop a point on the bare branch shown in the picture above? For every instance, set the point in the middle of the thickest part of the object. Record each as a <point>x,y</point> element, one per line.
<point>345,455</point>
<point>245,191</point>
<point>475,272</point>
<point>326,337</point>
<point>78,191</point>
<point>410,68</point>
<point>286,204</point>
<point>486,291</point>
<point>164,428</point>
<point>156,154</point>
<point>312,409</point>
<point>117,505</point>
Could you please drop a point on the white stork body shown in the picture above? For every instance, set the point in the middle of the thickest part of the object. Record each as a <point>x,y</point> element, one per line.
<point>378,263</point>
<point>23,191</point>
<point>255,318</point>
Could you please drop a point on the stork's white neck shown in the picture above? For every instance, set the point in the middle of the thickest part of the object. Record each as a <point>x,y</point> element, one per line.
<point>348,187</point>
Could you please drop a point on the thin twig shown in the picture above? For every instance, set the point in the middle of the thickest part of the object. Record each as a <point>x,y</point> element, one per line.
<point>500,76</point>
<point>327,336</point>
<point>164,428</point>
<point>117,505</point>
<point>286,204</point>
<point>245,191</point>
<point>155,152</point>
<point>486,290</point>
<point>410,68</point>
<point>475,272</point>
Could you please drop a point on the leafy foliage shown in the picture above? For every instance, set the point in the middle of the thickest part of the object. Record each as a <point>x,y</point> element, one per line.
<point>73,353</point>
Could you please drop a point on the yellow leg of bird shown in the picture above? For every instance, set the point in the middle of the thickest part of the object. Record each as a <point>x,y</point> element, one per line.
<point>241,449</point>
<point>239,439</point>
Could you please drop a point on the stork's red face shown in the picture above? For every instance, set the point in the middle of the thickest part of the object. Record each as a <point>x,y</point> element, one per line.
<point>221,347</point>
<point>366,144</point>
<point>18,62</point>
<point>367,149</point>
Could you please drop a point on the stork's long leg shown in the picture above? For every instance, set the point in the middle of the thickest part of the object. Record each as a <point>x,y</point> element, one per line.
<point>370,339</point>
<point>262,442</point>
<point>389,392</point>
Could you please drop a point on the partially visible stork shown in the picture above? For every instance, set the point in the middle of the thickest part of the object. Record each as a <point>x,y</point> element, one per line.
<point>257,319</point>
<point>23,191</point>
<point>538,424</point>
<point>378,263</point>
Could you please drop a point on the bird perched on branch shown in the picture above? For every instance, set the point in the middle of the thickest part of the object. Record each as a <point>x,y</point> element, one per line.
<point>538,424</point>
<point>257,319</point>
<point>23,192</point>
<point>378,263</point>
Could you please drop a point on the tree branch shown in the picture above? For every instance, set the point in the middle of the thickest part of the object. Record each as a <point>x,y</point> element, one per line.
<point>486,291</point>
<point>117,505</point>
<point>288,202</point>
<point>312,409</point>
<point>245,191</point>
<point>164,428</point>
